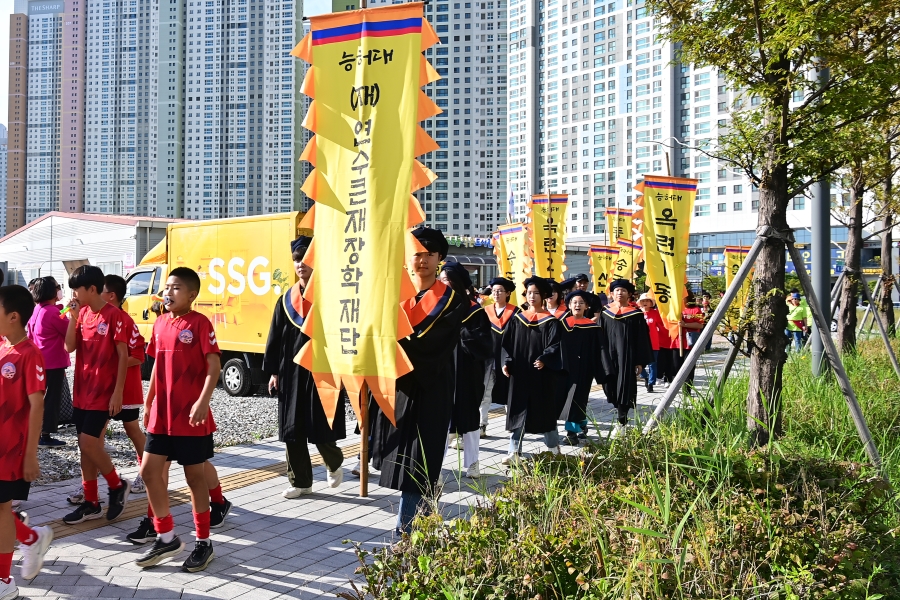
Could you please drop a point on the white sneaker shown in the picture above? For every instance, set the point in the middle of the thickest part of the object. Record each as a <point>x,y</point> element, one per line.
<point>294,492</point>
<point>33,555</point>
<point>334,478</point>
<point>618,432</point>
<point>357,469</point>
<point>9,591</point>
<point>137,486</point>
<point>473,472</point>
<point>76,497</point>
<point>511,460</point>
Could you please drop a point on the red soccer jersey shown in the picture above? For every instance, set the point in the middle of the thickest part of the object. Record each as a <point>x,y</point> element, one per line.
<point>96,358</point>
<point>180,346</point>
<point>134,389</point>
<point>21,374</point>
<point>657,329</point>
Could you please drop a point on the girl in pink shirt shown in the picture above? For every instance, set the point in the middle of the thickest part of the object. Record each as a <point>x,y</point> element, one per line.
<point>48,332</point>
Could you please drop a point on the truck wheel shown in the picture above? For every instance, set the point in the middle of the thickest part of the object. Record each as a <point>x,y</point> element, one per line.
<point>236,377</point>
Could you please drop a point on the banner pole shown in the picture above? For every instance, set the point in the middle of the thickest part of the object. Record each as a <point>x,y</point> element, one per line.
<point>364,438</point>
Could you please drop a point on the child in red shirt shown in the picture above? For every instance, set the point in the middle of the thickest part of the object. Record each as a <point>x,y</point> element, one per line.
<point>22,385</point>
<point>99,339</point>
<point>177,417</point>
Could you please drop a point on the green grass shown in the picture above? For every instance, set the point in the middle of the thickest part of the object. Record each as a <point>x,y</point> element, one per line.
<point>687,512</point>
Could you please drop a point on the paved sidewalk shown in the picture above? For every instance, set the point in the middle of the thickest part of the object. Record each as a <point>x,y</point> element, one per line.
<point>270,547</point>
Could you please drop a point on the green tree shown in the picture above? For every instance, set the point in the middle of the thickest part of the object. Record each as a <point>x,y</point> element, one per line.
<point>785,133</point>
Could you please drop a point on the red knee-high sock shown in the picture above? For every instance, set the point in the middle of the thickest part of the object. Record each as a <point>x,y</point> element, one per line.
<point>201,524</point>
<point>24,534</point>
<point>215,495</point>
<point>164,525</point>
<point>5,566</point>
<point>90,491</point>
<point>112,480</point>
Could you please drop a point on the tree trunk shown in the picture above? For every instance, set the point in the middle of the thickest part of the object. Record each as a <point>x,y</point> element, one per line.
<point>850,290</point>
<point>886,304</point>
<point>769,342</point>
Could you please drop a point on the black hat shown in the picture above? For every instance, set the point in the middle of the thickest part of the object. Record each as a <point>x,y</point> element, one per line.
<point>582,277</point>
<point>542,285</point>
<point>579,294</point>
<point>459,273</point>
<point>301,244</point>
<point>568,284</point>
<point>432,239</point>
<point>622,283</point>
<point>508,285</point>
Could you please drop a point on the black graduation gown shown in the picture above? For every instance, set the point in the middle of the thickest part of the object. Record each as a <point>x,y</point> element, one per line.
<point>562,378</point>
<point>471,359</point>
<point>533,401</point>
<point>410,455</point>
<point>582,345</point>
<point>498,325</point>
<point>301,417</point>
<point>626,344</point>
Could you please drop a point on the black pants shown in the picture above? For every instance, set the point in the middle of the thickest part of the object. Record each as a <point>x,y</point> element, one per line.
<point>299,465</point>
<point>56,379</point>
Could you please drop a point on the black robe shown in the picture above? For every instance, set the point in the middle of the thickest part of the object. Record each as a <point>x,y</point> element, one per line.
<point>471,359</point>
<point>562,378</point>
<point>410,455</point>
<point>533,400</point>
<point>626,344</point>
<point>582,357</point>
<point>498,325</point>
<point>301,417</point>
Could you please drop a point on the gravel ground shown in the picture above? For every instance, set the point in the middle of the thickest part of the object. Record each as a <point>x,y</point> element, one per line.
<point>240,420</point>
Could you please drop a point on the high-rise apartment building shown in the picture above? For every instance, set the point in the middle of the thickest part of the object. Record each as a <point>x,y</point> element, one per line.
<point>3,140</point>
<point>17,134</point>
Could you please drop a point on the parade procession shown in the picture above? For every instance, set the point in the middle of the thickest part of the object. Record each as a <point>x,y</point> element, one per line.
<point>548,413</point>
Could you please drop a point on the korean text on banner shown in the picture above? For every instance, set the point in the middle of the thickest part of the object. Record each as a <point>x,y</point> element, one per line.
<point>626,261</point>
<point>511,250</point>
<point>734,258</point>
<point>668,203</point>
<point>619,224</point>
<point>367,68</point>
<point>548,234</point>
<point>603,261</point>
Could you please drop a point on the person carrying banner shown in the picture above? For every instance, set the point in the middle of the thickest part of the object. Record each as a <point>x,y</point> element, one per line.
<point>531,359</point>
<point>627,348</point>
<point>301,417</point>
<point>471,358</point>
<point>581,349</point>
<point>499,312</point>
<point>409,454</point>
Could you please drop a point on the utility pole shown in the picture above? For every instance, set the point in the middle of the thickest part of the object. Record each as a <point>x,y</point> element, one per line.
<point>821,253</point>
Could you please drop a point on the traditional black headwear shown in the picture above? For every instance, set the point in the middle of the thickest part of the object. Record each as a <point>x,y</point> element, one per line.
<point>542,285</point>
<point>301,244</point>
<point>579,294</point>
<point>508,285</point>
<point>621,283</point>
<point>568,284</point>
<point>556,288</point>
<point>432,239</point>
<point>459,273</point>
<point>582,277</point>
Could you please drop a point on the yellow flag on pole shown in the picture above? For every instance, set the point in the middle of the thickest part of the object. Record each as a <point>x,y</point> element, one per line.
<point>668,204</point>
<point>548,234</point>
<point>511,250</point>
<point>629,256</point>
<point>603,260</point>
<point>619,224</point>
<point>734,258</point>
<point>367,68</point>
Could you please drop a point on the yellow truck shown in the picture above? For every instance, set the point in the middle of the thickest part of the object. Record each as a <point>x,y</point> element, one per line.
<point>244,265</point>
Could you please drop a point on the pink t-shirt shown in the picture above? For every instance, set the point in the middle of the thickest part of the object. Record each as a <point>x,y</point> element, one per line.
<point>48,332</point>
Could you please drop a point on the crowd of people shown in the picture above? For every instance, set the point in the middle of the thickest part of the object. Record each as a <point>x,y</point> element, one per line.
<point>538,354</point>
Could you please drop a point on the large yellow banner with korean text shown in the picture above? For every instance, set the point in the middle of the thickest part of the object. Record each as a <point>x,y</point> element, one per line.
<point>628,257</point>
<point>734,258</point>
<point>619,224</point>
<point>366,70</point>
<point>548,234</point>
<point>603,262</point>
<point>668,203</point>
<point>512,252</point>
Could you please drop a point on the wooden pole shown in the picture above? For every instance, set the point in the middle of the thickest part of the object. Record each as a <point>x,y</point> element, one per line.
<point>732,353</point>
<point>862,428</point>
<point>364,438</point>
<point>884,335</point>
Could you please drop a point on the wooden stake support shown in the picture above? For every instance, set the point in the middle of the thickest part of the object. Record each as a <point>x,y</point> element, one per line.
<point>364,440</point>
<point>884,335</point>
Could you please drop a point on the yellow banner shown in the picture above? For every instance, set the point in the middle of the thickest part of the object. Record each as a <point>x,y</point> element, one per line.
<point>734,258</point>
<point>511,250</point>
<point>619,223</point>
<point>668,204</point>
<point>629,256</point>
<point>603,261</point>
<point>367,68</point>
<point>548,234</point>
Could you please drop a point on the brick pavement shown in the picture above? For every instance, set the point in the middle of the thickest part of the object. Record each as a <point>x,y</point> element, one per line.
<point>270,547</point>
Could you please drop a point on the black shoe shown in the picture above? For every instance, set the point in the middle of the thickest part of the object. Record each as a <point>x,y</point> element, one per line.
<point>46,441</point>
<point>570,440</point>
<point>159,552</point>
<point>145,532</point>
<point>200,557</point>
<point>649,388</point>
<point>217,513</point>
<point>582,436</point>
<point>118,498</point>
<point>86,511</point>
